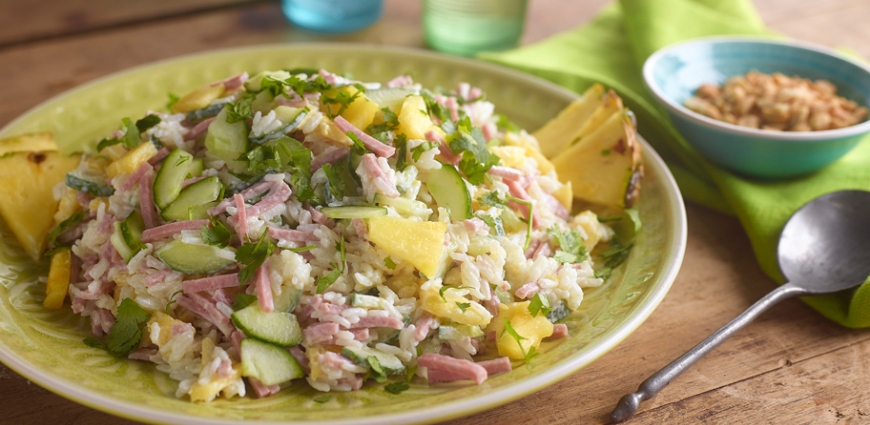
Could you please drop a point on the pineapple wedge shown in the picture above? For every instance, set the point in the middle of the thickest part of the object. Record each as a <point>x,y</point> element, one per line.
<point>420,243</point>
<point>560,131</point>
<point>198,99</point>
<point>361,112</point>
<point>531,330</point>
<point>33,142</point>
<point>27,203</point>
<point>414,121</point>
<point>605,166</point>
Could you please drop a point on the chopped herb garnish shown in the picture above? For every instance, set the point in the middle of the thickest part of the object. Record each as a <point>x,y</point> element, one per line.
<point>506,124</point>
<point>252,256</point>
<point>397,387</point>
<point>300,167</point>
<point>263,159</point>
<point>402,154</point>
<point>173,99</point>
<point>130,139</point>
<point>391,120</point>
<point>216,233</point>
<point>377,371</point>
<point>322,399</point>
<point>513,333</point>
<point>126,333</point>
<point>571,248</point>
<point>63,227</point>
<point>491,199</point>
<point>342,98</point>
<point>494,223</point>
<point>241,109</point>
<point>388,262</point>
<point>634,215</point>
<point>476,158</point>
<point>172,300</point>
<point>334,182</point>
<point>301,86</point>
<point>358,147</point>
<point>413,369</point>
<point>302,248</point>
<point>446,287</point>
<point>528,219</point>
<point>417,151</point>
<point>463,306</point>
<point>325,281</point>
<point>539,304</point>
<point>434,107</point>
<point>145,123</point>
<point>243,300</point>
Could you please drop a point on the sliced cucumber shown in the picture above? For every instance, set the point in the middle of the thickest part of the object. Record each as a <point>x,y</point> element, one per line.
<point>558,313</point>
<point>275,327</point>
<point>167,184</point>
<point>192,258</point>
<point>404,206</point>
<point>450,192</point>
<point>458,331</point>
<point>353,211</point>
<point>194,201</point>
<point>512,222</point>
<point>390,97</point>
<point>254,84</point>
<point>366,301</point>
<point>196,167</point>
<point>292,115</point>
<point>117,241</point>
<point>203,113</point>
<point>228,141</point>
<point>390,335</point>
<point>132,228</point>
<point>268,363</point>
<point>91,185</point>
<point>288,300</point>
<point>360,355</point>
<point>504,297</point>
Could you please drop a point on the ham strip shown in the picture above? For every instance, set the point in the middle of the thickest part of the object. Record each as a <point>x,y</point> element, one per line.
<point>369,142</point>
<point>377,322</point>
<point>506,173</point>
<point>233,82</point>
<point>241,217</point>
<point>205,308</point>
<point>300,357</point>
<point>320,332</point>
<point>198,129</point>
<point>318,216</point>
<point>331,156</point>
<point>490,131</point>
<point>142,354</point>
<point>527,290</point>
<point>167,230</point>
<point>146,201</point>
<point>560,330</point>
<point>291,235</point>
<point>369,167</point>
<point>264,289</point>
<point>517,191</point>
<point>359,226</point>
<point>210,283</point>
<point>135,176</point>
<point>542,250</point>
<point>443,148</point>
<point>423,326</point>
<point>247,195</point>
<point>446,369</point>
<point>400,81</point>
<point>262,390</point>
<point>501,364</point>
<point>162,153</point>
<point>278,194</point>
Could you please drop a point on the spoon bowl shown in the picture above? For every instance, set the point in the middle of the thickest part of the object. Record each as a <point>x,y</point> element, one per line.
<point>823,248</point>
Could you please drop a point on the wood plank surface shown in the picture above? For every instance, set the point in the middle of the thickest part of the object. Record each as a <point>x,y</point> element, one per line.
<point>790,366</point>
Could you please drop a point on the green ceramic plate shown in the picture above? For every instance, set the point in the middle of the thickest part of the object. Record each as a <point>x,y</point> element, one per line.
<point>45,346</point>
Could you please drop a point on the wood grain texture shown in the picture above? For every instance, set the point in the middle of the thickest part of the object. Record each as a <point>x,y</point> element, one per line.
<point>790,366</point>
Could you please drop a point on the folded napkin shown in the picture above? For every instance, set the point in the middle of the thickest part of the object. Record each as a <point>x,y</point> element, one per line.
<point>612,48</point>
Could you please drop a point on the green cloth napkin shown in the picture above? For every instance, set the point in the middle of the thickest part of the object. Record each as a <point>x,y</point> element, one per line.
<point>612,48</point>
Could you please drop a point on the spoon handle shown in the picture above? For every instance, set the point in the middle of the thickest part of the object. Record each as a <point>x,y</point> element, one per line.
<point>629,403</point>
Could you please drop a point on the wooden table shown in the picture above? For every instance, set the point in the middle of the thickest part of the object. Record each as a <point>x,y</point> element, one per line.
<point>791,366</point>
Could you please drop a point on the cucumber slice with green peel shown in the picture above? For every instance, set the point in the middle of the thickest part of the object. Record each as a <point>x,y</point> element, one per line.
<point>92,185</point>
<point>390,335</point>
<point>254,84</point>
<point>117,241</point>
<point>360,355</point>
<point>450,192</point>
<point>196,167</point>
<point>279,133</point>
<point>512,222</point>
<point>390,97</point>
<point>404,206</point>
<point>194,201</point>
<point>276,327</point>
<point>193,258</point>
<point>173,172</point>
<point>268,363</point>
<point>558,313</point>
<point>132,228</point>
<point>366,301</point>
<point>288,300</point>
<point>203,113</point>
<point>353,211</point>
<point>458,331</point>
<point>228,141</point>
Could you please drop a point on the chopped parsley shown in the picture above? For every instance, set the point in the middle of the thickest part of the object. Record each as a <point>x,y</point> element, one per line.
<point>528,219</point>
<point>145,123</point>
<point>334,182</point>
<point>216,233</point>
<point>506,124</point>
<point>539,304</point>
<point>63,227</point>
<point>173,99</point>
<point>126,334</point>
<point>389,263</point>
<point>243,300</point>
<point>172,300</point>
<point>342,98</point>
<point>476,158</point>
<point>241,109</point>
<point>299,167</point>
<point>301,248</point>
<point>263,159</point>
<point>491,199</point>
<point>494,223</point>
<point>571,249</point>
<point>397,387</point>
<point>518,338</point>
<point>252,256</point>
<point>375,369</point>
<point>614,256</point>
<point>358,147</point>
<point>401,143</point>
<point>463,306</point>
<point>132,133</point>
<point>325,281</point>
<point>418,151</point>
<point>446,287</point>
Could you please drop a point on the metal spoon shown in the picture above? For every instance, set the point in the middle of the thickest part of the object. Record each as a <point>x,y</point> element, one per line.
<point>823,248</point>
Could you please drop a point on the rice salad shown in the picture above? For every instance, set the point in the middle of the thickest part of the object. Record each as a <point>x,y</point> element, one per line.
<point>302,225</point>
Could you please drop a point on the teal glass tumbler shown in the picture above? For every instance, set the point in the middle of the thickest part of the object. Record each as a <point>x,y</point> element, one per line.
<point>333,16</point>
<point>466,27</point>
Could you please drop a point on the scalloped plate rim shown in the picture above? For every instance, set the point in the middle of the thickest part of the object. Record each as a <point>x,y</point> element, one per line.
<point>671,261</point>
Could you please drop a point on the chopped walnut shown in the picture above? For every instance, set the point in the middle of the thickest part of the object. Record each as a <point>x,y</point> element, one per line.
<point>777,102</point>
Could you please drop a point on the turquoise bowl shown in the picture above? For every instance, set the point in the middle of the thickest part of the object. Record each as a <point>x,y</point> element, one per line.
<point>673,74</point>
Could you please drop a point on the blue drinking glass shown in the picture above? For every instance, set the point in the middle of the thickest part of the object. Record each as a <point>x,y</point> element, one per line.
<point>333,16</point>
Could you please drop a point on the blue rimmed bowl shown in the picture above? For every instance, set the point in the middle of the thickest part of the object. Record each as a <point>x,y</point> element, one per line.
<point>674,73</point>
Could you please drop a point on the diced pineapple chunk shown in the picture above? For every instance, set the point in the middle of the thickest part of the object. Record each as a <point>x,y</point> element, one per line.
<point>67,206</point>
<point>511,156</point>
<point>419,243</point>
<point>560,131</point>
<point>361,112</point>
<point>198,99</point>
<point>27,181</point>
<point>208,390</point>
<point>530,329</point>
<point>414,120</point>
<point>132,160</point>
<point>164,324</point>
<point>544,164</point>
<point>34,142</point>
<point>565,196</point>
<point>58,279</point>
<point>470,312</point>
